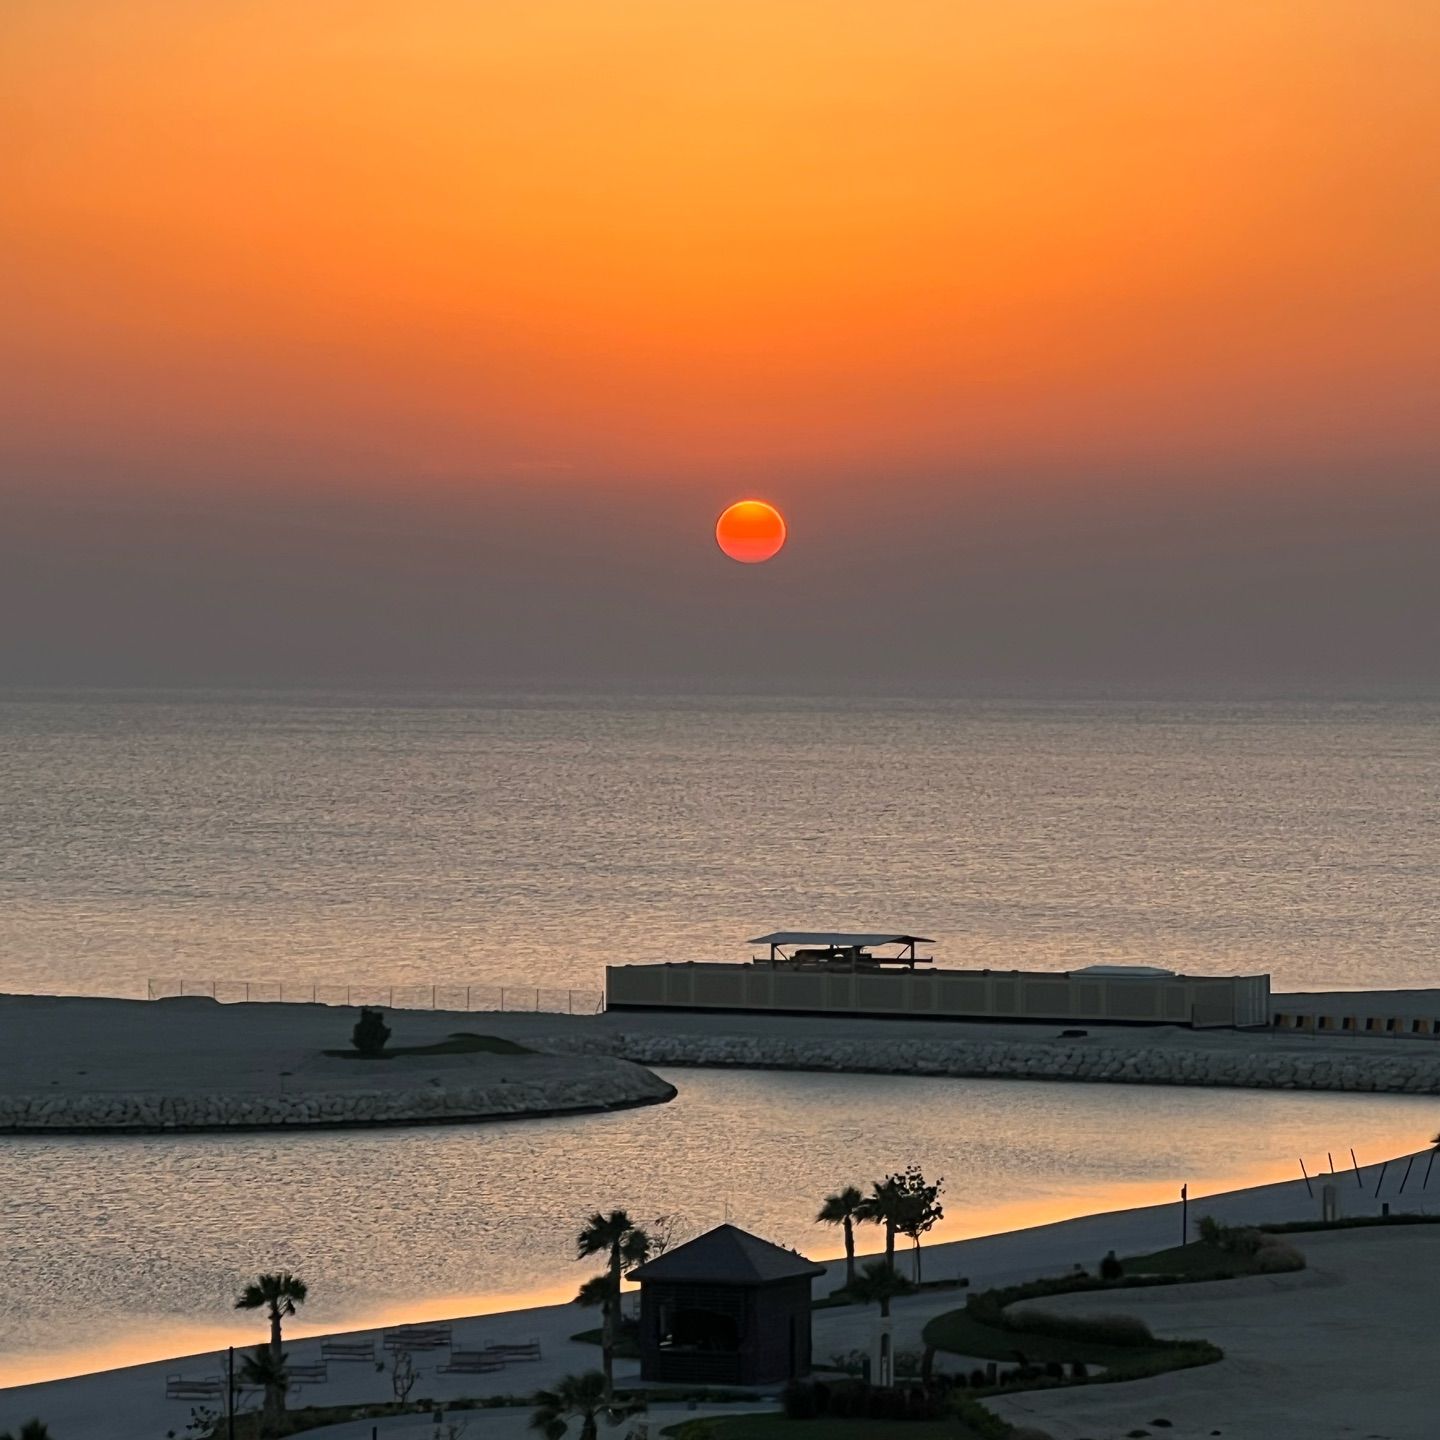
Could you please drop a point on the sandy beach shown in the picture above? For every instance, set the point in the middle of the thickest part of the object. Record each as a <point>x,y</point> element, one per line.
<point>1332,1304</point>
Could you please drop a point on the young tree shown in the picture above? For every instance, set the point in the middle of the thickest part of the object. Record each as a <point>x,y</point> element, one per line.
<point>666,1231</point>
<point>625,1245</point>
<point>277,1295</point>
<point>918,1207</point>
<point>403,1375</point>
<point>580,1397</point>
<point>844,1208</point>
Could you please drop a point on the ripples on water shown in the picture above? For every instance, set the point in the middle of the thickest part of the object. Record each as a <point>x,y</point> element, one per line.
<point>477,841</point>
<point>485,840</point>
<point>149,1237</point>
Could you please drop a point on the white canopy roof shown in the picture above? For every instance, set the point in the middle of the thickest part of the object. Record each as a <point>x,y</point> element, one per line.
<point>838,938</point>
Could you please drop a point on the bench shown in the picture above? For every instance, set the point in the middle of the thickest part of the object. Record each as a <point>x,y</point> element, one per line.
<point>177,1387</point>
<point>520,1351</point>
<point>472,1362</point>
<point>348,1350</point>
<point>418,1337</point>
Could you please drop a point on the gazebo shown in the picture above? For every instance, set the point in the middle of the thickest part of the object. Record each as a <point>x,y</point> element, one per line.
<point>843,949</point>
<point>726,1308</point>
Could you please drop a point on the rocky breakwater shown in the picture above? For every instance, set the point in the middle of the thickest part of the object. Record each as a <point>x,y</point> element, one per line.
<point>572,1085</point>
<point>1358,1065</point>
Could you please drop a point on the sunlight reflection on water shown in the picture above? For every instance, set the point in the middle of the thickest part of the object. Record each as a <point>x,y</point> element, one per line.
<point>143,1240</point>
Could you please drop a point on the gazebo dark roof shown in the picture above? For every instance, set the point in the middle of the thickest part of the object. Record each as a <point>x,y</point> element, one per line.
<point>727,1255</point>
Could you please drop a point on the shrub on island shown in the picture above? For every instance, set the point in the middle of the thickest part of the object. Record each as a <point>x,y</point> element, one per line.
<point>370,1035</point>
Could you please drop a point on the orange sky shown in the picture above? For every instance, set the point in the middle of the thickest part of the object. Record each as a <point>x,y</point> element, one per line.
<point>454,242</point>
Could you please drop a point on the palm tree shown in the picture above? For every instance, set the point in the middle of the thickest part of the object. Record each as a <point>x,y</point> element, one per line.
<point>625,1245</point>
<point>30,1430</point>
<point>277,1295</point>
<point>595,1291</point>
<point>260,1368</point>
<point>884,1205</point>
<point>879,1284</point>
<point>844,1207</point>
<point>584,1397</point>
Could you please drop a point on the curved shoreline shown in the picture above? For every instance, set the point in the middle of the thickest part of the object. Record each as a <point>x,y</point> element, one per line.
<point>80,1066</point>
<point>399,1120</point>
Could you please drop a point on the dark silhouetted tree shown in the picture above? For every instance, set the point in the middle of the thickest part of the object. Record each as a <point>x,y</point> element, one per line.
<point>277,1295</point>
<point>577,1397</point>
<point>624,1245</point>
<point>844,1208</point>
<point>371,1034</point>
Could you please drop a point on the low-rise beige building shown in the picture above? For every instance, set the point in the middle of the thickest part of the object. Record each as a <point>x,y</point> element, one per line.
<point>824,973</point>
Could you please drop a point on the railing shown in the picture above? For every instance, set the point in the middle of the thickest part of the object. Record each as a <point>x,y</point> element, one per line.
<point>535,999</point>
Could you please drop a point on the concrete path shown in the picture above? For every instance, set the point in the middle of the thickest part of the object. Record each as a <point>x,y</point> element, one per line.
<point>1343,1349</point>
<point>511,1424</point>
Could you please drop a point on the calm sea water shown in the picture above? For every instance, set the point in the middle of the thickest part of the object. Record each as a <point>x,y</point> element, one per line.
<point>118,1250</point>
<point>334,839</point>
<point>532,840</point>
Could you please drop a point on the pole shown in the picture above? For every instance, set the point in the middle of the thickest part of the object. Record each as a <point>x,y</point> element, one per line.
<point>1185,1213</point>
<point>230,1393</point>
<point>1359,1183</point>
<point>1406,1175</point>
<point>1428,1167</point>
<point>1331,1159</point>
<point>1306,1174</point>
<point>1381,1180</point>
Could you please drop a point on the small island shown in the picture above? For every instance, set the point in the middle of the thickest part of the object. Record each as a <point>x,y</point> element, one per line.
<point>73,1064</point>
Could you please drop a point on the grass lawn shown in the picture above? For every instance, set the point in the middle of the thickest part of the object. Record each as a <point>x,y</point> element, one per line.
<point>961,1334</point>
<point>1123,1348</point>
<point>841,1297</point>
<point>461,1043</point>
<point>777,1427</point>
<point>1196,1261</point>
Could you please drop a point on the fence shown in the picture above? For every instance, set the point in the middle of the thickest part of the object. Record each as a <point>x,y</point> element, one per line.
<point>535,999</point>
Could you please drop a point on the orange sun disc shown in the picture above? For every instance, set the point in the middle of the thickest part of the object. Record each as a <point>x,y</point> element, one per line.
<point>750,531</point>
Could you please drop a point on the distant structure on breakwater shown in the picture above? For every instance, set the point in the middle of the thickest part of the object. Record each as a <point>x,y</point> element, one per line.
<point>821,972</point>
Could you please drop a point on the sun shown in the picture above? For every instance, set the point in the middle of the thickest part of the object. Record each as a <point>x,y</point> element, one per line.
<point>750,531</point>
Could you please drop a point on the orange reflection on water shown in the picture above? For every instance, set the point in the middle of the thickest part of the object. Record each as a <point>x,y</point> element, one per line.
<point>166,1343</point>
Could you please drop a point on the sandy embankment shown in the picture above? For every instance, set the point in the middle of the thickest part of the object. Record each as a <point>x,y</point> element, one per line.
<point>80,1065</point>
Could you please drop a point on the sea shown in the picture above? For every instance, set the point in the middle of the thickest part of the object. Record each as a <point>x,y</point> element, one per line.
<point>155,841</point>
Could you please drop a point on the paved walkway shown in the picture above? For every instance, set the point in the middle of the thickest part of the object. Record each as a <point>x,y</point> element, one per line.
<point>1344,1350</point>
<point>509,1424</point>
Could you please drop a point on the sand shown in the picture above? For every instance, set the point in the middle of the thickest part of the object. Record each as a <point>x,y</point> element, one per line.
<point>78,1063</point>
